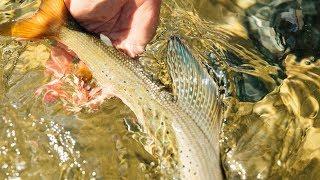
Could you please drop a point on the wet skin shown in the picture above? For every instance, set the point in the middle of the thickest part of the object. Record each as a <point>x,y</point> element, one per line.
<point>130,24</point>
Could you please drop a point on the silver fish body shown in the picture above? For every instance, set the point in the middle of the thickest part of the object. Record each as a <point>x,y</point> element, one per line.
<point>192,112</point>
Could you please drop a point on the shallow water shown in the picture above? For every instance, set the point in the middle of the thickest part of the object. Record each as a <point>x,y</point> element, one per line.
<point>270,127</point>
<point>40,140</point>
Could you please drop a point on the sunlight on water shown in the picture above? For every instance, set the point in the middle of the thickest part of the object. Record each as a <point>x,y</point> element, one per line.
<point>271,108</point>
<point>44,141</point>
<point>270,127</point>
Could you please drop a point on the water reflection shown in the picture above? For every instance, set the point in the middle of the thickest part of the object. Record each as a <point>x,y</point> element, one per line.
<point>40,140</point>
<point>271,122</point>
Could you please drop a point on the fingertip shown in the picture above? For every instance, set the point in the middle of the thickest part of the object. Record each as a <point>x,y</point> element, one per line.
<point>130,49</point>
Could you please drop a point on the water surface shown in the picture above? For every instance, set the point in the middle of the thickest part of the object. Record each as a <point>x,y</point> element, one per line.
<point>271,103</point>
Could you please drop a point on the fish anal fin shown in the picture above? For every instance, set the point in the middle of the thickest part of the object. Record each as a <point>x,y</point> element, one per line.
<point>45,22</point>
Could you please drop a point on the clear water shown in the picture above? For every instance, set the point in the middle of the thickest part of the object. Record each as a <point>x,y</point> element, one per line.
<point>271,101</point>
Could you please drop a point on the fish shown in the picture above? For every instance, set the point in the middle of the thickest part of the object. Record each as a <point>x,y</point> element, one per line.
<point>192,110</point>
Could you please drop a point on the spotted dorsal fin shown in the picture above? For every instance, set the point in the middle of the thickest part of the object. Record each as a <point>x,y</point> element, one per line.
<point>196,92</point>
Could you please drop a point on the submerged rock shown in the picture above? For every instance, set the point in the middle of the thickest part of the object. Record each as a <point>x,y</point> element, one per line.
<point>284,26</point>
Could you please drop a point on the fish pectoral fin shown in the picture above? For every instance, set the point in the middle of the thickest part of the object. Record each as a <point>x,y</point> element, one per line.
<point>195,90</point>
<point>50,16</point>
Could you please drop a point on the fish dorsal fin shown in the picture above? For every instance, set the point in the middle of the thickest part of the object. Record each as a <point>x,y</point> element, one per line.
<point>196,92</point>
<point>46,22</point>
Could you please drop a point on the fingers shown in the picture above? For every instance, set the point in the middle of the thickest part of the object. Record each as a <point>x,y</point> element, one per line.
<point>93,14</point>
<point>130,49</point>
<point>140,29</point>
<point>130,24</point>
<point>145,21</point>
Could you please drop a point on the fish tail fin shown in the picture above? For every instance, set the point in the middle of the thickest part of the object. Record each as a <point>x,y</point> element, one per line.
<point>46,22</point>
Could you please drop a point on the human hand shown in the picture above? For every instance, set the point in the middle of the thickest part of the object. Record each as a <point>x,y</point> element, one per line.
<point>130,24</point>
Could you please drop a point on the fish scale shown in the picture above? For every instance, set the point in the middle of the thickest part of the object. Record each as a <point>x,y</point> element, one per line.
<point>96,56</point>
<point>195,126</point>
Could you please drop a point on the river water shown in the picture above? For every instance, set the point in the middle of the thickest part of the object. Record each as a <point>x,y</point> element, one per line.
<point>271,94</point>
